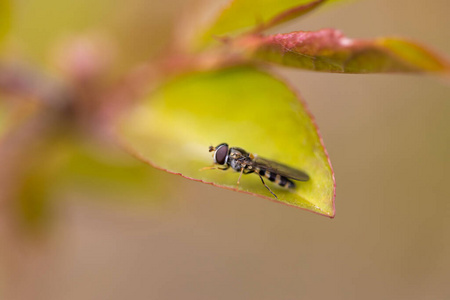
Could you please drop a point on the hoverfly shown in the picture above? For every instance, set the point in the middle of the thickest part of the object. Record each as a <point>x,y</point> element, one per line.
<point>245,163</point>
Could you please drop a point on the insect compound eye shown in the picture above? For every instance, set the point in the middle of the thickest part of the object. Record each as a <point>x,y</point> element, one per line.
<point>221,154</point>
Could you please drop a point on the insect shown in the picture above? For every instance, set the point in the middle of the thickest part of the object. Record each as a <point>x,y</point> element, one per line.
<point>245,163</point>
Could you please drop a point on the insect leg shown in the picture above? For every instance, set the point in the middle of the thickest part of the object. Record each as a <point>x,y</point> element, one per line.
<point>267,187</point>
<point>208,168</point>
<point>213,168</point>
<point>240,175</point>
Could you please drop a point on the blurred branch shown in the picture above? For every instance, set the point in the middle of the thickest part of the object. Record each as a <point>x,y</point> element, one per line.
<point>20,82</point>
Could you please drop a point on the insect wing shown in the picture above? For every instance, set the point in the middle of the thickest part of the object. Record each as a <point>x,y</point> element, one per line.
<point>279,168</point>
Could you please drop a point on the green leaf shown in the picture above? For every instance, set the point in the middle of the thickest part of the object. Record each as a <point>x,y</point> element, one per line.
<point>242,15</point>
<point>329,50</point>
<point>57,166</point>
<point>29,166</point>
<point>5,17</point>
<point>173,128</point>
<point>106,173</point>
<point>34,186</point>
<point>415,55</point>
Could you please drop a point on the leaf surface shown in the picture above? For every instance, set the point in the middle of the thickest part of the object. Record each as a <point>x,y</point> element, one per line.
<point>329,50</point>
<point>173,128</point>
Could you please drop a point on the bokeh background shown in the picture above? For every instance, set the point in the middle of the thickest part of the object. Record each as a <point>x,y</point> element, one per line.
<point>387,135</point>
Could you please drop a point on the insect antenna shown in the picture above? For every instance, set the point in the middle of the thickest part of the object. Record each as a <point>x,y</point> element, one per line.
<point>267,187</point>
<point>211,147</point>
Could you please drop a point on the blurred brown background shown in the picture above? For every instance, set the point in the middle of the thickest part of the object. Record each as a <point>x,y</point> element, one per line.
<point>389,141</point>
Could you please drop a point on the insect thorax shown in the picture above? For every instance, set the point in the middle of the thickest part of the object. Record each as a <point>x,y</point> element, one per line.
<point>238,159</point>
<point>236,164</point>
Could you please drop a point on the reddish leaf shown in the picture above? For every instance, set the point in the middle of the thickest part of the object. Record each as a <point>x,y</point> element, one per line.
<point>329,50</point>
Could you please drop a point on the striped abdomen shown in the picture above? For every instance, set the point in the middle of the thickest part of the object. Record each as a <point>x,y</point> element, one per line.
<point>277,178</point>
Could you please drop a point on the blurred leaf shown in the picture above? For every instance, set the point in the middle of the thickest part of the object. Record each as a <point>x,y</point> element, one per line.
<point>58,168</point>
<point>244,107</point>
<point>43,159</point>
<point>40,24</point>
<point>35,185</point>
<point>329,50</point>
<point>5,18</point>
<point>104,173</point>
<point>241,15</point>
<point>29,165</point>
